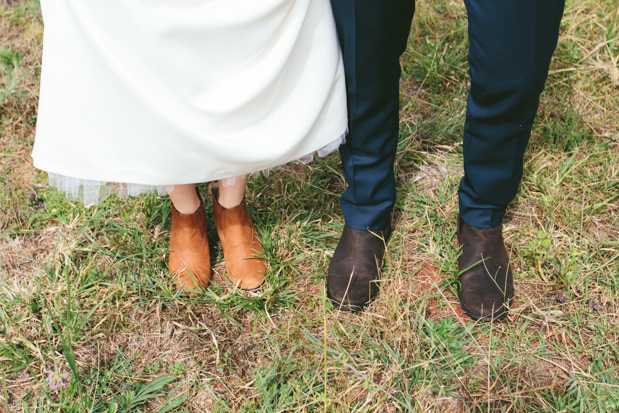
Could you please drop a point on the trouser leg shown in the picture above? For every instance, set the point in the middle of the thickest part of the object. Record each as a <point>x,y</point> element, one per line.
<point>511,44</point>
<point>373,35</point>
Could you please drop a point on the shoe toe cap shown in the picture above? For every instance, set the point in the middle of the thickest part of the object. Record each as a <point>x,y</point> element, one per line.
<point>350,291</point>
<point>192,279</point>
<point>248,273</point>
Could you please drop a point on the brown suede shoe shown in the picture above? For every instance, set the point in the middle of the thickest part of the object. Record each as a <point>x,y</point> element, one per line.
<point>190,261</point>
<point>352,277</point>
<point>241,245</point>
<point>486,280</point>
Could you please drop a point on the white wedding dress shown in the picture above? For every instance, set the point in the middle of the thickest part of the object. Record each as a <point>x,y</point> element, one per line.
<point>152,93</point>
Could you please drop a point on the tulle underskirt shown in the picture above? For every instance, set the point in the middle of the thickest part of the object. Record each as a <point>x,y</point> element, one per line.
<point>93,192</point>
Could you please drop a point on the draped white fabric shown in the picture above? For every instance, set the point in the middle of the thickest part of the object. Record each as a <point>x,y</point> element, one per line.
<point>165,92</point>
<point>93,192</point>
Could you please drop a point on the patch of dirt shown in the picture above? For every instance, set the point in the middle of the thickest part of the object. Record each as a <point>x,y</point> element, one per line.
<point>198,344</point>
<point>425,287</point>
<point>17,387</point>
<point>22,258</point>
<point>428,283</point>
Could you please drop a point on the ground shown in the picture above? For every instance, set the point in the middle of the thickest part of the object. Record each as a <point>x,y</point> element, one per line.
<point>90,320</point>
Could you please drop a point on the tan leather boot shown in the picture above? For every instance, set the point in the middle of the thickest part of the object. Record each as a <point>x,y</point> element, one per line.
<point>190,261</point>
<point>241,245</point>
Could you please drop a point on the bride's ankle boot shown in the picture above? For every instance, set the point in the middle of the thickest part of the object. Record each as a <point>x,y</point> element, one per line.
<point>190,262</point>
<point>242,248</point>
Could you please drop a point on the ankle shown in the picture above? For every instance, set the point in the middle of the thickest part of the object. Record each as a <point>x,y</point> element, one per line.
<point>185,198</point>
<point>227,200</point>
<point>229,193</point>
<point>187,206</point>
<point>227,203</point>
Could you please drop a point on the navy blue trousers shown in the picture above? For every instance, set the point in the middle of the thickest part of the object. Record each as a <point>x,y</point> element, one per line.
<point>511,44</point>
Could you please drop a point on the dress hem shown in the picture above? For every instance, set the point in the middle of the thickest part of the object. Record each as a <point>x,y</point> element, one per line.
<point>92,192</point>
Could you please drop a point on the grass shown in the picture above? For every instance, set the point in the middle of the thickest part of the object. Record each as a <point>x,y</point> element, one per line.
<point>89,320</point>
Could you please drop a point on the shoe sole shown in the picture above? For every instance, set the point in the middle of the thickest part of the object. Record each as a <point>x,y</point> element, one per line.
<point>253,289</point>
<point>499,315</point>
<point>249,290</point>
<point>349,307</point>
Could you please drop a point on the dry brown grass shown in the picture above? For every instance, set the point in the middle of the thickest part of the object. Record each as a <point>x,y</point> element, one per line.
<point>93,283</point>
